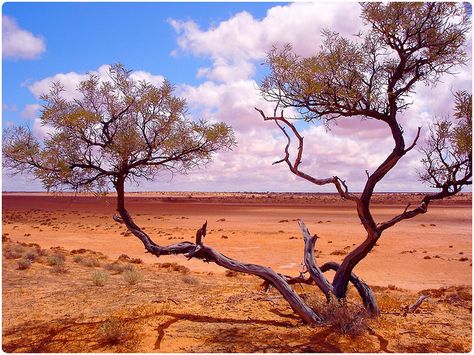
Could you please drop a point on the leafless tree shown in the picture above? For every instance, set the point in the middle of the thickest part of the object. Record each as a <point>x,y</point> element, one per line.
<point>371,78</point>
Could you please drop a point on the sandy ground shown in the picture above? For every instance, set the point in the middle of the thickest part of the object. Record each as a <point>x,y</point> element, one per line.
<point>203,310</point>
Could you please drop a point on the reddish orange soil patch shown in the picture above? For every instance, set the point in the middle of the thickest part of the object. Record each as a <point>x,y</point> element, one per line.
<point>178,310</point>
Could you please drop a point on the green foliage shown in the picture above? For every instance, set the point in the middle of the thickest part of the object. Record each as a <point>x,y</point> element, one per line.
<point>447,161</point>
<point>372,76</point>
<point>117,127</point>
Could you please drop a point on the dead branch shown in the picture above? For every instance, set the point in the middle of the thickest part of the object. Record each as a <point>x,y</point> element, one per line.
<point>310,262</point>
<point>208,254</point>
<point>282,122</point>
<point>414,307</point>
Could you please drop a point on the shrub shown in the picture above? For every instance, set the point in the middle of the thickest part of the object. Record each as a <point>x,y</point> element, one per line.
<point>115,267</point>
<point>24,264</point>
<point>77,258</point>
<point>31,255</point>
<point>99,277</point>
<point>59,269</point>
<point>190,280</point>
<point>90,262</point>
<point>11,254</point>
<point>56,259</point>
<point>114,331</point>
<point>132,276</point>
<point>342,316</point>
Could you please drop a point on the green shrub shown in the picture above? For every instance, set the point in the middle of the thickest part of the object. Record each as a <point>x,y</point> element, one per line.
<point>99,277</point>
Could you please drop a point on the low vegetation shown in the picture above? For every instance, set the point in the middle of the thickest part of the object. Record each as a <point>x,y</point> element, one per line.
<point>132,276</point>
<point>99,278</point>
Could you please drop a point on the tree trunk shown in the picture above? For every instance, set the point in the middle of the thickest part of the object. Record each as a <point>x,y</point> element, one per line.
<point>365,292</point>
<point>209,254</point>
<point>344,272</point>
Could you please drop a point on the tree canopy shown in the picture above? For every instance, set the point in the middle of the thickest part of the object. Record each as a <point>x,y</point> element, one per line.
<point>115,127</point>
<point>373,74</point>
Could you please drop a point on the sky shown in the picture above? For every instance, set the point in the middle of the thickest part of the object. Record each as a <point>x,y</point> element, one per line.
<point>212,53</point>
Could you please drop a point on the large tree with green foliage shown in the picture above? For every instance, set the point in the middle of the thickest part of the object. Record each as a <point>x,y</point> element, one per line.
<point>371,77</point>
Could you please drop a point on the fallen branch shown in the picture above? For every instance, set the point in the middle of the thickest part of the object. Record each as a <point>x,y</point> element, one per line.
<point>208,254</point>
<point>415,306</point>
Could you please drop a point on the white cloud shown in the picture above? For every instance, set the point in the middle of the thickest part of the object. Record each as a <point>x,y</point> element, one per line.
<point>352,146</point>
<point>236,44</point>
<point>19,43</point>
<point>31,111</point>
<point>71,80</point>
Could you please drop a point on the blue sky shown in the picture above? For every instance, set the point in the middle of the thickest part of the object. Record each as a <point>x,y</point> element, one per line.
<point>80,37</point>
<point>212,52</point>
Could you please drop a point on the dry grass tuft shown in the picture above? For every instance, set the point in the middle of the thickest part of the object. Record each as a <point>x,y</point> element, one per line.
<point>190,280</point>
<point>90,262</point>
<point>115,331</point>
<point>99,278</point>
<point>56,260</point>
<point>342,316</point>
<point>132,276</point>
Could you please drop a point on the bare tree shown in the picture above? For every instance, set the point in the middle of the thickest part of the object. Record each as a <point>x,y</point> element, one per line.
<point>372,77</point>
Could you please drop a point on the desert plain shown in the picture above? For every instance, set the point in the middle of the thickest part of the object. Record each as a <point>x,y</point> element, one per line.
<point>180,305</point>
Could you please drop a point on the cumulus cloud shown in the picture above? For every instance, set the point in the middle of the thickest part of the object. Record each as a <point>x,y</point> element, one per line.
<point>348,149</point>
<point>235,44</point>
<point>71,80</point>
<point>19,43</point>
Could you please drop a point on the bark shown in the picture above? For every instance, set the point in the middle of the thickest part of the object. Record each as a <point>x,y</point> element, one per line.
<point>310,262</point>
<point>415,306</point>
<point>208,254</point>
<point>344,271</point>
<point>365,292</point>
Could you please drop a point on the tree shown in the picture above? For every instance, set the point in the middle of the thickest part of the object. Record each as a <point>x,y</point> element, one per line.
<point>372,77</point>
<point>121,130</point>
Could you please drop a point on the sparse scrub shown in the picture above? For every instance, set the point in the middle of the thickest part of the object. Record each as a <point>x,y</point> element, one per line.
<point>90,262</point>
<point>9,253</point>
<point>190,280</point>
<point>31,255</point>
<point>77,259</point>
<point>99,278</point>
<point>59,268</point>
<point>56,260</point>
<point>115,267</point>
<point>132,276</point>
<point>343,317</point>
<point>114,331</point>
<point>24,264</point>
